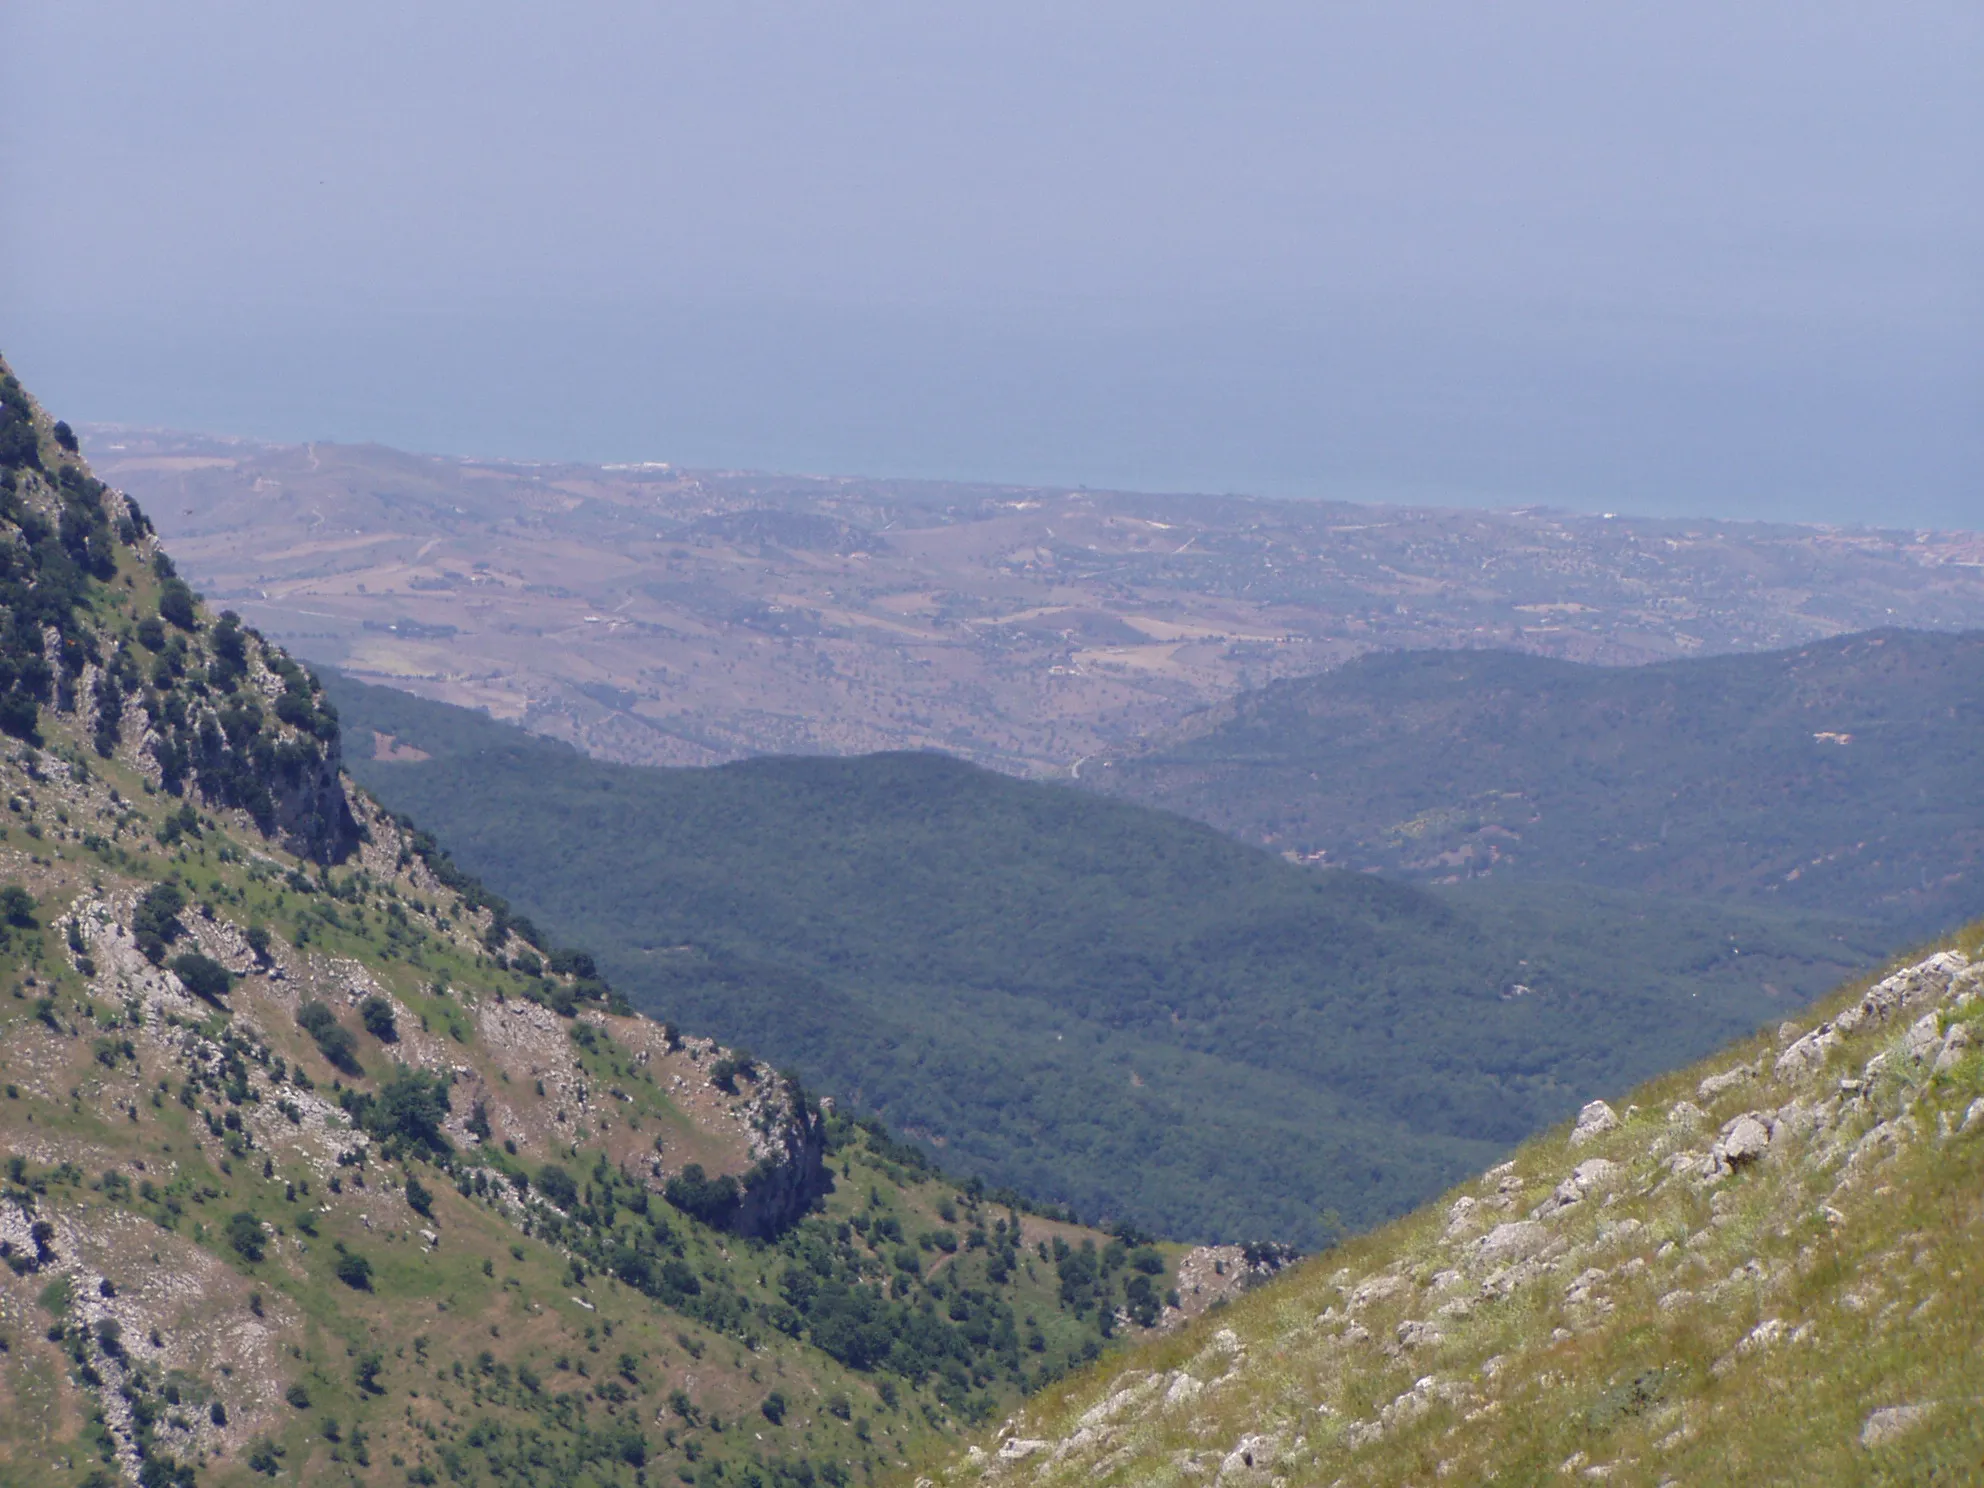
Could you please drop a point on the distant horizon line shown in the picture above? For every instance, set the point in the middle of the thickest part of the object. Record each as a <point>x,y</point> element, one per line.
<point>1062,488</point>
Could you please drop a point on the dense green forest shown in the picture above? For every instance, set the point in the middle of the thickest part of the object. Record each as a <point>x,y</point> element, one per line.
<point>1103,1005</point>
<point>1840,777</point>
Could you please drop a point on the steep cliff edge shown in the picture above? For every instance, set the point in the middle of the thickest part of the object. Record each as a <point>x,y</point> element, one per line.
<point>101,630</point>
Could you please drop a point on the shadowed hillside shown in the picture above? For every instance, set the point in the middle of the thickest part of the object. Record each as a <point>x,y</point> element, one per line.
<point>1840,777</point>
<point>1109,1006</point>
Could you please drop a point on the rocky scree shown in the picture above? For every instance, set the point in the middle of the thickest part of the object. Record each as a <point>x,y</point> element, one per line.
<point>1798,1224</point>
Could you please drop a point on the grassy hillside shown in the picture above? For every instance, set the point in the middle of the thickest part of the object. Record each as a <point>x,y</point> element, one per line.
<point>1111,1007</point>
<point>319,1164</point>
<point>1761,1270</point>
<point>1840,777</point>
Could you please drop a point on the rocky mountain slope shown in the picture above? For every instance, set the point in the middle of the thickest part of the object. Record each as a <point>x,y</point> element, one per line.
<point>318,1164</point>
<point>655,615</point>
<point>1839,777</point>
<point>1761,1270</point>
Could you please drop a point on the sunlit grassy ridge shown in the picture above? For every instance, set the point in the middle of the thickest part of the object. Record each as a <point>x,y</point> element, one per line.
<point>1762,1269</point>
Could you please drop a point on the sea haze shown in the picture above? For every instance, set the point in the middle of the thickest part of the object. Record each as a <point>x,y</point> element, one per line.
<point>1673,261</point>
<point>1484,405</point>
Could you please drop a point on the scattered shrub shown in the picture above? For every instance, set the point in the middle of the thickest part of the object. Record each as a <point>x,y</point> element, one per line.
<point>376,1013</point>
<point>201,975</point>
<point>712,1200</point>
<point>244,1233</point>
<point>557,1185</point>
<point>724,1073</point>
<point>155,923</point>
<point>575,963</point>
<point>177,605</point>
<point>409,1106</point>
<point>334,1041</point>
<point>17,907</point>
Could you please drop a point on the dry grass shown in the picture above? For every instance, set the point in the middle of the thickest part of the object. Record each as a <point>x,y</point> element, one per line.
<point>93,1124</point>
<point>1668,1327</point>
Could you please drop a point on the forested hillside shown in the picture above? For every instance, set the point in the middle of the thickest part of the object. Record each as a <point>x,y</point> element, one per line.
<point>1111,1007</point>
<point>1841,777</point>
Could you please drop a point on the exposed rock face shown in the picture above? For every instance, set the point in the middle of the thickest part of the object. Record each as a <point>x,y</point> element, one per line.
<point>1251,1461</point>
<point>1509,1242</point>
<point>1594,1121</point>
<point>1746,1139</point>
<point>790,1145</point>
<point>313,816</point>
<point>1944,974</point>
<point>1715,1085</point>
<point>206,709</point>
<point>1893,1421</point>
<point>1956,1044</point>
<point>1211,1274</point>
<point>1592,1176</point>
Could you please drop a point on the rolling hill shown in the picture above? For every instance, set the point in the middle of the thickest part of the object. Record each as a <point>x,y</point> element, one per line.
<point>1112,1007</point>
<point>658,615</point>
<point>1838,777</point>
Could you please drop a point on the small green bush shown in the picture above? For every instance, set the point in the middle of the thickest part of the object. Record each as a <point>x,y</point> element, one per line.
<point>334,1041</point>
<point>17,907</point>
<point>376,1013</point>
<point>712,1200</point>
<point>557,1185</point>
<point>201,975</point>
<point>155,923</point>
<point>244,1233</point>
<point>177,605</point>
<point>409,1106</point>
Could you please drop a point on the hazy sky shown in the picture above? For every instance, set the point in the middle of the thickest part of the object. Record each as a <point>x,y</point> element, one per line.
<point>1671,257</point>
